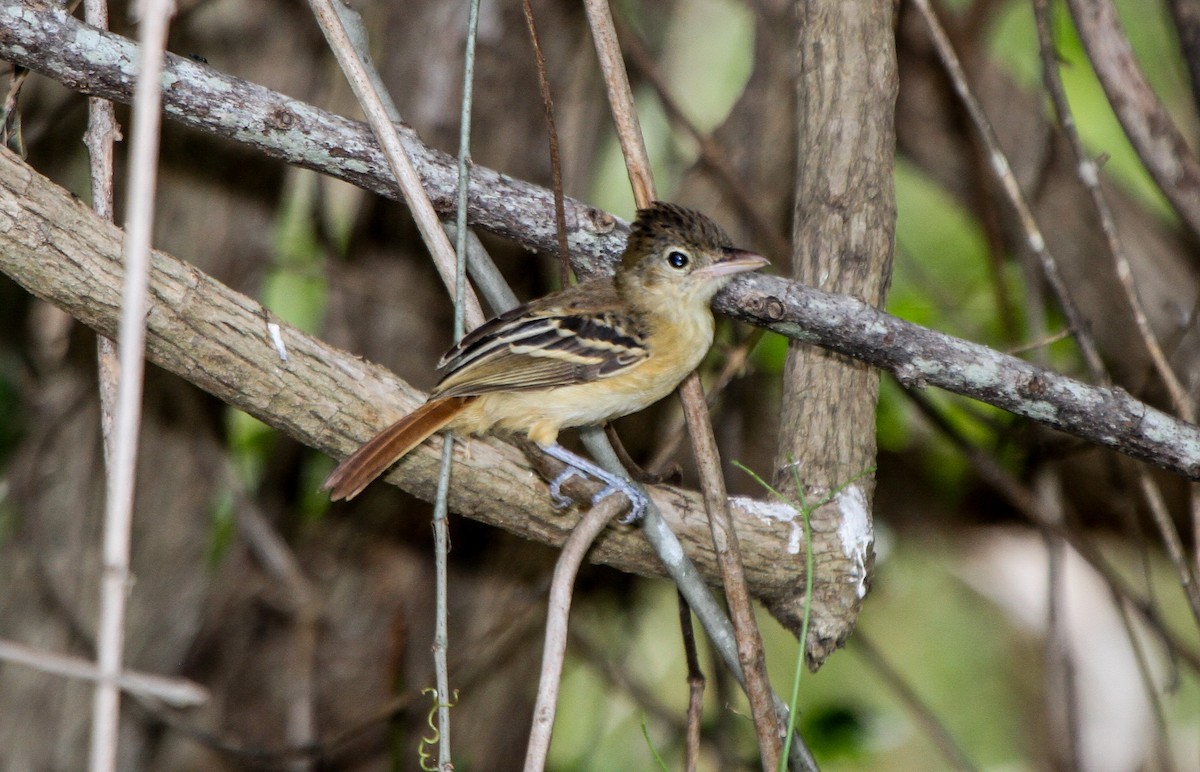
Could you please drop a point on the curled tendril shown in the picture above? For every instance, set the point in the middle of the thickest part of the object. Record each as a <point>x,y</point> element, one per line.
<point>425,748</point>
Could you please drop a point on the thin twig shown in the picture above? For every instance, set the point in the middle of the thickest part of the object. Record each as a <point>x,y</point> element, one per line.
<point>574,550</point>
<point>729,556</point>
<point>102,132</point>
<point>401,165</point>
<point>621,102</point>
<point>176,692</point>
<point>1136,645</point>
<point>1160,145</point>
<point>1035,240</point>
<point>695,679</point>
<point>118,514</point>
<point>482,268</point>
<point>1089,175</point>
<point>560,216</point>
<point>1061,686</point>
<point>441,528</point>
<point>1175,550</point>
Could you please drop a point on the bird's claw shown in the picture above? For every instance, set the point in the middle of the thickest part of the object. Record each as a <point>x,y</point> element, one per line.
<point>580,467</point>
<point>637,501</point>
<point>560,499</point>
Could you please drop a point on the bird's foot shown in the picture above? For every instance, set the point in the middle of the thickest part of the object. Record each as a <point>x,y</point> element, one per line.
<point>581,467</point>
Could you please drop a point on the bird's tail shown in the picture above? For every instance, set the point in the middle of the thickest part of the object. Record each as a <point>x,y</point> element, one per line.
<point>391,445</point>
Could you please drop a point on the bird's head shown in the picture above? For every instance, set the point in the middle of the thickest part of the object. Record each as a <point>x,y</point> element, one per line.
<point>677,255</point>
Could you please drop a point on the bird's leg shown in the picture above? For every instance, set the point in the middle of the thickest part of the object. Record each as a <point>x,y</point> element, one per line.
<point>577,465</point>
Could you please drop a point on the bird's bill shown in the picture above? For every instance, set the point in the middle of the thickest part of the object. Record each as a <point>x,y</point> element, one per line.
<point>734,261</point>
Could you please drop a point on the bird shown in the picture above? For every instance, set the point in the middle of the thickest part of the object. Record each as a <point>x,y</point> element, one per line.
<point>599,350</point>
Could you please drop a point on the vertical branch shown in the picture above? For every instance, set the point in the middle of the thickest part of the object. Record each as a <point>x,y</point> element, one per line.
<point>695,679</point>
<point>1061,687</point>
<point>620,97</point>
<point>560,216</point>
<point>729,557</point>
<point>1158,142</point>
<point>844,226</point>
<point>102,133</point>
<point>118,515</point>
<point>441,532</point>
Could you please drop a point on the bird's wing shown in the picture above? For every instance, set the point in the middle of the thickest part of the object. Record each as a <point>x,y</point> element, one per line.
<point>540,346</point>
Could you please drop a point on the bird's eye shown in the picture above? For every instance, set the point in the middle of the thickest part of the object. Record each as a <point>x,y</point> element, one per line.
<point>677,259</point>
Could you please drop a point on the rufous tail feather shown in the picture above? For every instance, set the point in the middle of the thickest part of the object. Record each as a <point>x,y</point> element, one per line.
<point>391,445</point>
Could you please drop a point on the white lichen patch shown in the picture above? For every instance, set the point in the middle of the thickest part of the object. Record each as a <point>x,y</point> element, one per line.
<point>277,340</point>
<point>854,531</point>
<point>776,511</point>
<point>1039,410</point>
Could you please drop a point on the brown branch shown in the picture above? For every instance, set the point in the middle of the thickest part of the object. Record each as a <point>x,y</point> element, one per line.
<point>1159,143</point>
<point>560,214</point>
<point>696,681</point>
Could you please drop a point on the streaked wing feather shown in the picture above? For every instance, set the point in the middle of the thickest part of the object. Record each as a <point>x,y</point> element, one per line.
<point>539,349</point>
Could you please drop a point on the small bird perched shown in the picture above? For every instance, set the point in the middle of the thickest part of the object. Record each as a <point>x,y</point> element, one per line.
<point>596,351</point>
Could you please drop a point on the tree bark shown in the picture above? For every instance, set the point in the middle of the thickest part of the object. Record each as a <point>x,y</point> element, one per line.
<point>844,226</point>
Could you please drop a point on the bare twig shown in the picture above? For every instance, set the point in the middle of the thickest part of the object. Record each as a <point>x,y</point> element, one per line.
<point>1035,241</point>
<point>594,520</point>
<point>695,678</point>
<point>621,103</point>
<point>1159,143</point>
<point>1062,693</point>
<point>1175,550</point>
<point>1089,175</point>
<point>725,543</point>
<point>118,514</point>
<point>101,133</point>
<point>1137,646</point>
<point>397,158</point>
<point>712,155</point>
<point>560,215</point>
<point>177,692</point>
